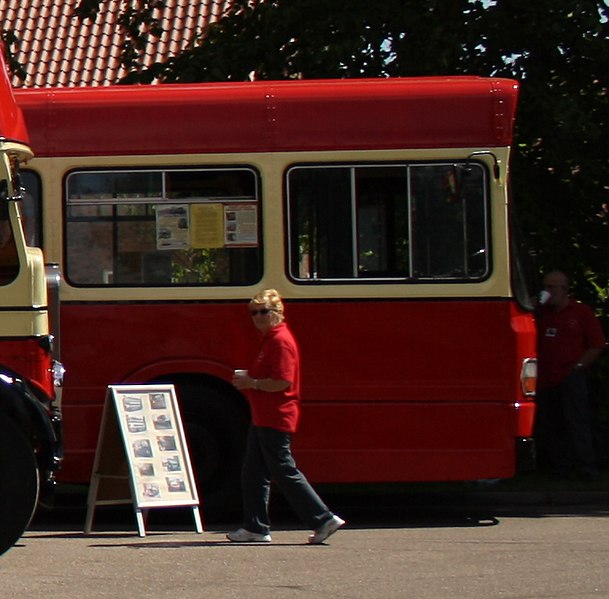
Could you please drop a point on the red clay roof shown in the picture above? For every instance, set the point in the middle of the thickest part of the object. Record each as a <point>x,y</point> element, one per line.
<point>57,48</point>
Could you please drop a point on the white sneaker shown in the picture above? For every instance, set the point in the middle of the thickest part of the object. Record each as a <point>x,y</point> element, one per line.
<point>325,530</point>
<point>245,536</point>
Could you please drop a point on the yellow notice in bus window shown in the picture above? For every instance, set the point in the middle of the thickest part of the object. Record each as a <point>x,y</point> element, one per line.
<point>207,226</point>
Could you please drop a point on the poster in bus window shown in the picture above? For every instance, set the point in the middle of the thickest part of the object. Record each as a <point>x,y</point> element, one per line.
<point>240,225</point>
<point>172,227</point>
<point>207,226</point>
<point>218,225</point>
<point>155,444</point>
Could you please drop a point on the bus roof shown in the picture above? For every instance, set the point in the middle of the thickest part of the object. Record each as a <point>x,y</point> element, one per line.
<point>12,124</point>
<point>267,116</point>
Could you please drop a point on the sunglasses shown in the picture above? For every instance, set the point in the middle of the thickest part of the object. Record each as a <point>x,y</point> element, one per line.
<point>263,311</point>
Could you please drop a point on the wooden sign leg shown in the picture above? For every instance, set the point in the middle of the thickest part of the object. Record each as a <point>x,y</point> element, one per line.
<point>92,497</point>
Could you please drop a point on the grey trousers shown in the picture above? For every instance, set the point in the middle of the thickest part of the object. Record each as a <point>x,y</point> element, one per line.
<point>269,458</point>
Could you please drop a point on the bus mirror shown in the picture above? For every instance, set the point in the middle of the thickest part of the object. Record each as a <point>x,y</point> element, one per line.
<point>18,188</point>
<point>5,197</point>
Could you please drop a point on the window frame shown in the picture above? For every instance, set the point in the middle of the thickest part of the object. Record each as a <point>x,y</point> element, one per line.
<point>164,171</point>
<point>465,163</point>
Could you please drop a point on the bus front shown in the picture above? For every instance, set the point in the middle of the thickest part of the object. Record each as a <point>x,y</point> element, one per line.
<point>30,444</point>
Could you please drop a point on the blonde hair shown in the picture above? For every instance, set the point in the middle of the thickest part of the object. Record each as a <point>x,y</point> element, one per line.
<point>272,299</point>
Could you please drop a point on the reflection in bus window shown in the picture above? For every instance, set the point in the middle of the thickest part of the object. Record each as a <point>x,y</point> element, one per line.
<point>448,222</point>
<point>31,208</point>
<point>163,228</point>
<point>388,222</point>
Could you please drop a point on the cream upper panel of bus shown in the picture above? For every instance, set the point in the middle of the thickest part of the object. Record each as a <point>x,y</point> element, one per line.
<point>23,300</point>
<point>272,169</point>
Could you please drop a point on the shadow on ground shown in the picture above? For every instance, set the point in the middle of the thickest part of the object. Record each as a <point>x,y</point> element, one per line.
<point>478,503</point>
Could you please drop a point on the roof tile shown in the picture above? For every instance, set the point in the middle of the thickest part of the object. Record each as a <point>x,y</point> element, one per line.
<point>57,49</point>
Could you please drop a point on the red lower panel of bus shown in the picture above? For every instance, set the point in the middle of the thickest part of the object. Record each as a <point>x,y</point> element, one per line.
<point>29,359</point>
<point>418,442</point>
<point>392,390</point>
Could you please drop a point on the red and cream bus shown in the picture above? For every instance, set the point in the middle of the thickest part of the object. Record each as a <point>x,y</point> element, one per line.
<point>378,208</point>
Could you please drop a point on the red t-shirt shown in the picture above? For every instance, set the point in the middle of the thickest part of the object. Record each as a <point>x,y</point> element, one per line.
<point>563,336</point>
<point>277,358</point>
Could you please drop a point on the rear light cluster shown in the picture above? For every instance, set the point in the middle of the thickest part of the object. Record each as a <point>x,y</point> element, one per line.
<point>528,376</point>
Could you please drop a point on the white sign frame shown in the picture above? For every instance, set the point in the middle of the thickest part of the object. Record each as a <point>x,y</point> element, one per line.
<point>158,466</point>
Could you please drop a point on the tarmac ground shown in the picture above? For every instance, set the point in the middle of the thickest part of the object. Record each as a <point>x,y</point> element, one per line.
<point>510,540</point>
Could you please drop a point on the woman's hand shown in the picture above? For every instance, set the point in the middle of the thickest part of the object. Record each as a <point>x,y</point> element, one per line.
<point>242,380</point>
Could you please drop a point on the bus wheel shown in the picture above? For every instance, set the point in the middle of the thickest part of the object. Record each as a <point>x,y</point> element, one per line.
<point>18,484</point>
<point>216,427</point>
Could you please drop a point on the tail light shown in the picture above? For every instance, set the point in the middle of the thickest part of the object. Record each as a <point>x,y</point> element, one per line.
<point>528,376</point>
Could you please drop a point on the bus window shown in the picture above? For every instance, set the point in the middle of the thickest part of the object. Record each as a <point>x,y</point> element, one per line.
<point>162,227</point>
<point>31,208</point>
<point>9,260</point>
<point>388,222</point>
<point>448,222</point>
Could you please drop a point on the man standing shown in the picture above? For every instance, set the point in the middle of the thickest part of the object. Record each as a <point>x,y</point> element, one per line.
<point>570,339</point>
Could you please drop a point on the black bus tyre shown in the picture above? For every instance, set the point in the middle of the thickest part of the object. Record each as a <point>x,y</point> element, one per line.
<point>19,484</point>
<point>216,428</point>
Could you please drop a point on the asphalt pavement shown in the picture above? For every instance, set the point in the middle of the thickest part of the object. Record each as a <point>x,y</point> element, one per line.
<point>395,548</point>
<point>530,537</point>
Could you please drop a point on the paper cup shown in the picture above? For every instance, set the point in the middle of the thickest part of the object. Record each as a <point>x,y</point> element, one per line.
<point>544,296</point>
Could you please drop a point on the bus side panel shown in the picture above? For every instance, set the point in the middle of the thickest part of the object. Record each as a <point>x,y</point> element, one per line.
<point>415,351</point>
<point>392,390</point>
<point>429,389</point>
<point>409,442</point>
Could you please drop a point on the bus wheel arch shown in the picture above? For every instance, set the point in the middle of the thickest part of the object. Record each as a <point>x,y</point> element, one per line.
<point>215,418</point>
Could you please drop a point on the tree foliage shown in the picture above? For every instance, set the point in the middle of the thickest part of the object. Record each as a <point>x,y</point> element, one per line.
<point>140,22</point>
<point>278,39</point>
<point>560,52</point>
<point>10,40</point>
